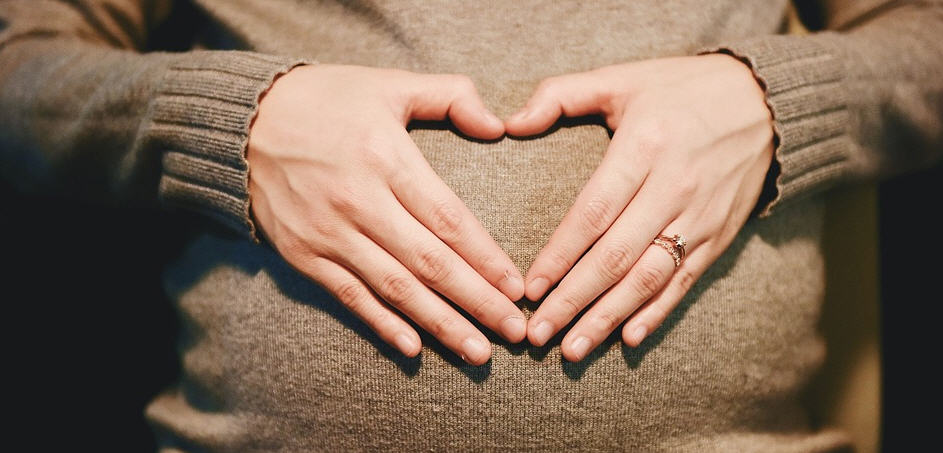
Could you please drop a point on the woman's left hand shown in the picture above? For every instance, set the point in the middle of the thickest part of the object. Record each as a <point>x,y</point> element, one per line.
<point>692,143</point>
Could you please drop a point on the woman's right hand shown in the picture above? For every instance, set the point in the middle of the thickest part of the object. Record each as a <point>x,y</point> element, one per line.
<point>345,196</point>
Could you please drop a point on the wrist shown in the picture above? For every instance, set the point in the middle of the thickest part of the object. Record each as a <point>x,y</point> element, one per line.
<point>804,89</point>
<point>746,80</point>
<point>201,116</point>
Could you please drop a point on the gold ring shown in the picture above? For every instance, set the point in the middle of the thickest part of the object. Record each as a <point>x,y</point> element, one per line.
<point>673,245</point>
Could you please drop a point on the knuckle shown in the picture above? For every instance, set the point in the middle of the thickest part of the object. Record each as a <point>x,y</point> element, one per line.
<point>356,298</point>
<point>596,215</point>
<point>443,325</point>
<point>652,138</point>
<point>547,86</point>
<point>570,305</point>
<point>351,293</point>
<point>432,265</point>
<point>609,320</point>
<point>459,84</point>
<point>685,188</point>
<point>322,228</point>
<point>446,220</point>
<point>686,279</point>
<point>375,150</point>
<point>380,320</point>
<point>488,264</point>
<point>291,246</point>
<point>397,289</point>
<point>559,260</point>
<point>657,316</point>
<point>648,280</point>
<point>343,198</point>
<point>609,101</point>
<point>300,248</point>
<point>724,226</point>
<point>398,174</point>
<point>464,82</point>
<point>456,78</point>
<point>615,260</point>
<point>482,307</point>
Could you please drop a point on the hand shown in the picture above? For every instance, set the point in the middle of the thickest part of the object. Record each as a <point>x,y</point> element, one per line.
<point>691,147</point>
<point>345,196</point>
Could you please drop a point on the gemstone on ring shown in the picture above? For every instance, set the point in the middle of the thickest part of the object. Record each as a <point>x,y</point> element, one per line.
<point>680,242</point>
<point>674,245</point>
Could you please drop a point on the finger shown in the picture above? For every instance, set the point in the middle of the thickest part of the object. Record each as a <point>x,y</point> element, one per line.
<point>420,190</point>
<point>357,297</point>
<point>607,262</point>
<point>650,274</point>
<point>569,95</point>
<point>654,312</point>
<point>437,96</point>
<point>601,200</point>
<point>400,288</point>
<point>439,267</point>
<point>647,278</point>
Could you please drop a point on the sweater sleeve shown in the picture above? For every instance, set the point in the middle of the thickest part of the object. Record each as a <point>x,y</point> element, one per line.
<point>87,113</point>
<point>860,99</point>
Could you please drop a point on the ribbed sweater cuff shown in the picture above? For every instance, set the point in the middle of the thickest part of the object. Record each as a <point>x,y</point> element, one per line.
<point>200,118</point>
<point>805,92</point>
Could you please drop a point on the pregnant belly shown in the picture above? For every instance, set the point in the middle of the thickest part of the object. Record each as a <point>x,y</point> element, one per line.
<point>272,362</point>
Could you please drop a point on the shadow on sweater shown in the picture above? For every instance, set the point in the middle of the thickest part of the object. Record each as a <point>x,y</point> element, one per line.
<point>718,270</point>
<point>252,259</point>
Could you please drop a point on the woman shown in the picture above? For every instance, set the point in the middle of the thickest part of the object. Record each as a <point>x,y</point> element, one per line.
<point>699,324</point>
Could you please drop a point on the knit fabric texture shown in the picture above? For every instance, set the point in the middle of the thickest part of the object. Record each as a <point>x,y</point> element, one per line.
<point>93,107</point>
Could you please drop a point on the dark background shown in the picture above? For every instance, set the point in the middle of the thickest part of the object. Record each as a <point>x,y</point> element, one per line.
<point>90,336</point>
<point>911,250</point>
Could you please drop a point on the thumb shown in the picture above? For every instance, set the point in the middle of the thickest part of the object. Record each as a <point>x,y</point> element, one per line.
<point>437,96</point>
<point>569,95</point>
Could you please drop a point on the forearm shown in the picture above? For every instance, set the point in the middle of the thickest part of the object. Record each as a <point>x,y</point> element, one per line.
<point>862,100</point>
<point>84,117</point>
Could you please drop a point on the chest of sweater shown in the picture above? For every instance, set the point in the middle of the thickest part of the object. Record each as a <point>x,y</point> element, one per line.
<point>506,47</point>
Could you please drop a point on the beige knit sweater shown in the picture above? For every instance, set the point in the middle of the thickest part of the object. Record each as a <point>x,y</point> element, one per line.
<point>271,362</point>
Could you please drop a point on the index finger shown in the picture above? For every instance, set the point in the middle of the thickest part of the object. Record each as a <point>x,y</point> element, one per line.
<point>602,199</point>
<point>607,262</point>
<point>421,191</point>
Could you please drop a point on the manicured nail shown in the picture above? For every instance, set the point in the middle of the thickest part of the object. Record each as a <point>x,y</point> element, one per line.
<point>580,347</point>
<point>405,343</point>
<point>543,332</point>
<point>474,349</point>
<point>512,286</point>
<point>638,334</point>
<point>514,328</point>
<point>538,287</point>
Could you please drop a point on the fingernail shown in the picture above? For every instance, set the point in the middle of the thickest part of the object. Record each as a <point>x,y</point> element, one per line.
<point>405,343</point>
<point>543,332</point>
<point>514,328</point>
<point>580,347</point>
<point>491,118</point>
<point>519,115</point>
<point>474,349</point>
<point>538,287</point>
<point>512,286</point>
<point>638,334</point>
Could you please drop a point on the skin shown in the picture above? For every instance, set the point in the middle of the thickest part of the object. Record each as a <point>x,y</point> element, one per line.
<point>344,195</point>
<point>692,143</point>
<point>691,146</point>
